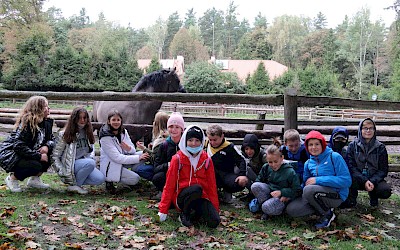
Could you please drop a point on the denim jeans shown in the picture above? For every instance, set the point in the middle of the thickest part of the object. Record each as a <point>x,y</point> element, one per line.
<point>86,172</point>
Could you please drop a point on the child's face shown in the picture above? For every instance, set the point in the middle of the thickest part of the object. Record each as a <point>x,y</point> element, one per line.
<point>46,110</point>
<point>293,145</point>
<point>193,142</point>
<point>275,161</point>
<point>175,131</point>
<point>215,140</point>
<point>314,147</point>
<point>115,121</point>
<point>367,130</point>
<point>82,119</point>
<point>249,151</point>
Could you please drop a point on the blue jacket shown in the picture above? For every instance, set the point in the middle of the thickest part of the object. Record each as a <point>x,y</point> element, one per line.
<point>301,156</point>
<point>330,170</point>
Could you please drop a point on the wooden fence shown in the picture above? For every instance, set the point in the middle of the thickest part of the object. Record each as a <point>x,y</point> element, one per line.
<point>290,101</point>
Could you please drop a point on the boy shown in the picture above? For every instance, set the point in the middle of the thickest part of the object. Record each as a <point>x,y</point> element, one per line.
<point>294,150</point>
<point>338,140</point>
<point>368,163</point>
<point>225,158</point>
<point>276,184</point>
<point>254,155</point>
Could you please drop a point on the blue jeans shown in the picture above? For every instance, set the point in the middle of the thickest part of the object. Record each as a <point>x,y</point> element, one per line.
<point>86,172</point>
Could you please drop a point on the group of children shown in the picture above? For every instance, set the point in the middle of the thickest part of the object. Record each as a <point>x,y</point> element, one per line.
<point>194,171</point>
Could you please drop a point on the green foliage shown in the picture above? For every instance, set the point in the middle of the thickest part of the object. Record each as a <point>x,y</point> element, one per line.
<point>154,65</point>
<point>202,77</point>
<point>254,45</point>
<point>173,25</point>
<point>316,81</point>
<point>259,82</point>
<point>284,81</point>
<point>233,84</point>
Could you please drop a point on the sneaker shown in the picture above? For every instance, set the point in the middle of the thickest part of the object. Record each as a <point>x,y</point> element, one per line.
<point>77,189</point>
<point>374,202</point>
<point>264,217</point>
<point>157,196</point>
<point>254,205</point>
<point>326,220</point>
<point>36,182</point>
<point>185,220</point>
<point>13,185</point>
<point>227,198</point>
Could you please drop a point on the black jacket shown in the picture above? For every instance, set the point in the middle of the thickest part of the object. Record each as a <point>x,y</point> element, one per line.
<point>20,145</point>
<point>164,155</point>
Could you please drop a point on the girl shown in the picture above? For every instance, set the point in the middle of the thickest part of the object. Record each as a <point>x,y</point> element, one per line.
<point>276,184</point>
<point>167,149</point>
<point>326,182</point>
<point>117,153</point>
<point>191,182</point>
<point>25,153</point>
<point>74,153</point>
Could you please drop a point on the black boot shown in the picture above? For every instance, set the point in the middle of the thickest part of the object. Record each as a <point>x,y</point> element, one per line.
<point>185,220</point>
<point>110,188</point>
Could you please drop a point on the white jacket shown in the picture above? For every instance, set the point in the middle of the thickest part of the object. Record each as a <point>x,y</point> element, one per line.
<point>112,156</point>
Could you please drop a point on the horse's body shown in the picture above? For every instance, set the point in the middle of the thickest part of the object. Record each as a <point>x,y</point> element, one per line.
<point>140,112</point>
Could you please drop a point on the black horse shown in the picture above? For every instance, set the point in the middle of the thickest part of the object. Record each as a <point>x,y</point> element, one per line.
<point>140,112</point>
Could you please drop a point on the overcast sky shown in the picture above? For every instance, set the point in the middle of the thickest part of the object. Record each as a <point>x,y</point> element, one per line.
<point>143,13</point>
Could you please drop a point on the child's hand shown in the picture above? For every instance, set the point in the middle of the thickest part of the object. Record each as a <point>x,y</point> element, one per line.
<point>144,156</point>
<point>140,145</point>
<point>284,199</point>
<point>242,180</point>
<point>162,217</point>
<point>311,181</point>
<point>44,150</point>
<point>369,186</point>
<point>276,194</point>
<point>125,147</point>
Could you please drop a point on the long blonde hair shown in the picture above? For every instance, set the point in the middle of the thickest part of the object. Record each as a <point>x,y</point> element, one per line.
<point>160,124</point>
<point>32,113</point>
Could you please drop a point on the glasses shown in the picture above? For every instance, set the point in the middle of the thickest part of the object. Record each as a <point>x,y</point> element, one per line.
<point>368,129</point>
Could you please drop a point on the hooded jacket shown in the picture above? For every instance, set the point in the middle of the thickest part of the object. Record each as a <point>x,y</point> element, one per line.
<point>183,173</point>
<point>64,159</point>
<point>257,161</point>
<point>164,154</point>
<point>284,179</point>
<point>339,130</point>
<point>328,168</point>
<point>301,156</point>
<point>371,156</point>
<point>112,156</point>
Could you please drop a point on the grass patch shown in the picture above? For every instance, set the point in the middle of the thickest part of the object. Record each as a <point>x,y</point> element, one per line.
<point>58,219</point>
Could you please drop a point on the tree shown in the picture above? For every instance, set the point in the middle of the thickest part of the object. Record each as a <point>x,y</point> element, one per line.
<point>320,21</point>
<point>317,81</point>
<point>157,34</point>
<point>254,45</point>
<point>173,25</point>
<point>190,48</point>
<point>202,77</point>
<point>230,30</point>
<point>259,82</point>
<point>190,19</point>
<point>20,12</point>
<point>212,30</point>
<point>81,21</point>
<point>154,65</point>
<point>260,21</point>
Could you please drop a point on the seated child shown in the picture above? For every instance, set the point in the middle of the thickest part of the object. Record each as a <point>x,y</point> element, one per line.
<point>338,140</point>
<point>254,155</point>
<point>326,182</point>
<point>276,184</point>
<point>294,150</point>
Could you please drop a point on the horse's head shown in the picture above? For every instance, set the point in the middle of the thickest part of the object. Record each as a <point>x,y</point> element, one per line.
<point>160,81</point>
<point>172,81</point>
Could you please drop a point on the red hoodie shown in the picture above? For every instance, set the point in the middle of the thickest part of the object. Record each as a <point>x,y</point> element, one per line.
<point>313,134</point>
<point>178,179</point>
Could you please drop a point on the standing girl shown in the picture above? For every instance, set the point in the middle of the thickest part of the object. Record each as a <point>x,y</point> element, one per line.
<point>117,153</point>
<point>74,153</point>
<point>25,153</point>
<point>191,184</point>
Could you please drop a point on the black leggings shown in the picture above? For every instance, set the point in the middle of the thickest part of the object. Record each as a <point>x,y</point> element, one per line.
<point>26,168</point>
<point>190,199</point>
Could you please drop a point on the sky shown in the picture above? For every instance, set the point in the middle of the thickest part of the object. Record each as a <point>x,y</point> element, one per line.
<point>143,13</point>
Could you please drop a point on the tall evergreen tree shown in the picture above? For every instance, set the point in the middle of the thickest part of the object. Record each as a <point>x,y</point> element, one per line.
<point>259,82</point>
<point>173,25</point>
<point>190,19</point>
<point>260,21</point>
<point>320,22</point>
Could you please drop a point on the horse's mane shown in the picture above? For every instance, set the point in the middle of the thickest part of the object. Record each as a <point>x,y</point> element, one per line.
<point>154,79</point>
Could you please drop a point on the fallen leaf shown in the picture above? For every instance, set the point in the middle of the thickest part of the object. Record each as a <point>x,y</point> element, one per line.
<point>368,217</point>
<point>372,238</point>
<point>53,237</point>
<point>309,235</point>
<point>31,244</point>
<point>359,246</point>
<point>385,211</point>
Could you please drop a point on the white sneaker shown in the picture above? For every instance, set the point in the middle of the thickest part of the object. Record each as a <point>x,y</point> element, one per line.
<point>77,189</point>
<point>13,185</point>
<point>36,182</point>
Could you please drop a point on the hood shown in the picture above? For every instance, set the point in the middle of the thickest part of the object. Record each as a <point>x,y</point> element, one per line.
<point>359,134</point>
<point>251,140</point>
<point>315,135</point>
<point>105,131</point>
<point>194,160</point>
<point>338,130</point>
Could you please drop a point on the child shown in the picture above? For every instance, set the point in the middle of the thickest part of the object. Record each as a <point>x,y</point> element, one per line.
<point>74,153</point>
<point>368,162</point>
<point>225,158</point>
<point>190,184</point>
<point>326,182</point>
<point>338,140</point>
<point>254,154</point>
<point>294,150</point>
<point>167,149</point>
<point>117,153</point>
<point>25,153</point>
<point>275,186</point>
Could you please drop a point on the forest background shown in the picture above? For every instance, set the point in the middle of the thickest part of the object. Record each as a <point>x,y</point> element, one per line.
<point>42,50</point>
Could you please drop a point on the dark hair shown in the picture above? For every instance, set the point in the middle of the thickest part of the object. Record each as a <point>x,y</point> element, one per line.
<point>117,113</point>
<point>72,128</point>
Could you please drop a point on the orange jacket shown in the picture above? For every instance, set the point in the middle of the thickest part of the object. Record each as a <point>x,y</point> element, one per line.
<point>179,178</point>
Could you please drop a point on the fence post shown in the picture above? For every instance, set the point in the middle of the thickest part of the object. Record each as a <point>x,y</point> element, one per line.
<point>260,116</point>
<point>290,109</point>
